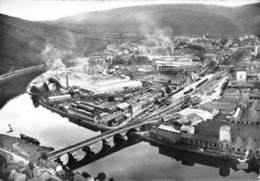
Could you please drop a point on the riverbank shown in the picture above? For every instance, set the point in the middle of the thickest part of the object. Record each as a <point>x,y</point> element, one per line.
<point>15,151</point>
<point>22,148</point>
<point>20,158</point>
<point>14,83</point>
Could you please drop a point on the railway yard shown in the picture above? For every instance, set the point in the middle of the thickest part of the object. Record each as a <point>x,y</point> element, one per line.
<point>195,95</point>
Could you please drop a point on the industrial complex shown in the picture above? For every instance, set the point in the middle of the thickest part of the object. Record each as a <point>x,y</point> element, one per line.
<point>195,98</point>
<point>197,95</point>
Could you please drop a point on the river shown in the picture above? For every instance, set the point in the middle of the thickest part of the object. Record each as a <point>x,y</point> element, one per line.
<point>138,162</point>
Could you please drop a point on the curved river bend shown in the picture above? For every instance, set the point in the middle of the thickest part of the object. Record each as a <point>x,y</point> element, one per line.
<point>138,162</point>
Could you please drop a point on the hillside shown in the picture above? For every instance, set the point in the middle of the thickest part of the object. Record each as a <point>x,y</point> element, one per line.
<point>179,19</point>
<point>24,43</point>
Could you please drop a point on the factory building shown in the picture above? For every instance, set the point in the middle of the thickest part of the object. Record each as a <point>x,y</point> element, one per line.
<point>240,85</point>
<point>119,86</point>
<point>225,137</point>
<point>231,93</point>
<point>177,63</point>
<point>245,146</point>
<point>178,67</point>
<point>167,133</point>
<point>224,107</point>
<point>237,145</point>
<point>59,98</point>
<point>224,142</point>
<point>200,141</point>
<point>250,145</point>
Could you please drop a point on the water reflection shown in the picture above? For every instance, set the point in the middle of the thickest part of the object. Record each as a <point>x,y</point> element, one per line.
<point>138,162</point>
<point>15,86</point>
<point>50,128</point>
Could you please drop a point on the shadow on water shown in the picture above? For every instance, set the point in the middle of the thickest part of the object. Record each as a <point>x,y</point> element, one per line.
<point>16,85</point>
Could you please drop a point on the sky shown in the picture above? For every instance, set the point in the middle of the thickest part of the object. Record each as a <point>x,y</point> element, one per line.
<point>37,10</point>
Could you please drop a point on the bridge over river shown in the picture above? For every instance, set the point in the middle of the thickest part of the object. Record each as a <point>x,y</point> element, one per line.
<point>112,140</point>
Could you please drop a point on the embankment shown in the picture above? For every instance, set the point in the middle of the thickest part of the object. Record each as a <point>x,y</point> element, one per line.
<point>14,83</point>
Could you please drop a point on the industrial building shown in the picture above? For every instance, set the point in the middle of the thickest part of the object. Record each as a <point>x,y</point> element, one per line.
<point>173,101</point>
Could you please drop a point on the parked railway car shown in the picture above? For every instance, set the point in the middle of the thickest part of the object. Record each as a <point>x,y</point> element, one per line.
<point>30,139</point>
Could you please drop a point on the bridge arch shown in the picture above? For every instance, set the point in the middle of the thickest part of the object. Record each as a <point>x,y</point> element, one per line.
<point>120,138</point>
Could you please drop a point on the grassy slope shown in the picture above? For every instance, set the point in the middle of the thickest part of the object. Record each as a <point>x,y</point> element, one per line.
<point>181,19</point>
<point>22,42</point>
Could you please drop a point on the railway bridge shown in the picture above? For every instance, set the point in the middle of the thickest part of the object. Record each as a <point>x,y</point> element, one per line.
<point>112,140</point>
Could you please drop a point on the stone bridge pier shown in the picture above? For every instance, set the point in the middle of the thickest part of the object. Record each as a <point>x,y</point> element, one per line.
<point>90,154</point>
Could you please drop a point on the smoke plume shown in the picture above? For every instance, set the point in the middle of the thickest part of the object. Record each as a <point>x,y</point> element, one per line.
<point>153,32</point>
<point>53,57</point>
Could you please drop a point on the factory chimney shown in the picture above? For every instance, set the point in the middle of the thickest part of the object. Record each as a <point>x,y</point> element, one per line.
<point>172,49</point>
<point>67,80</point>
